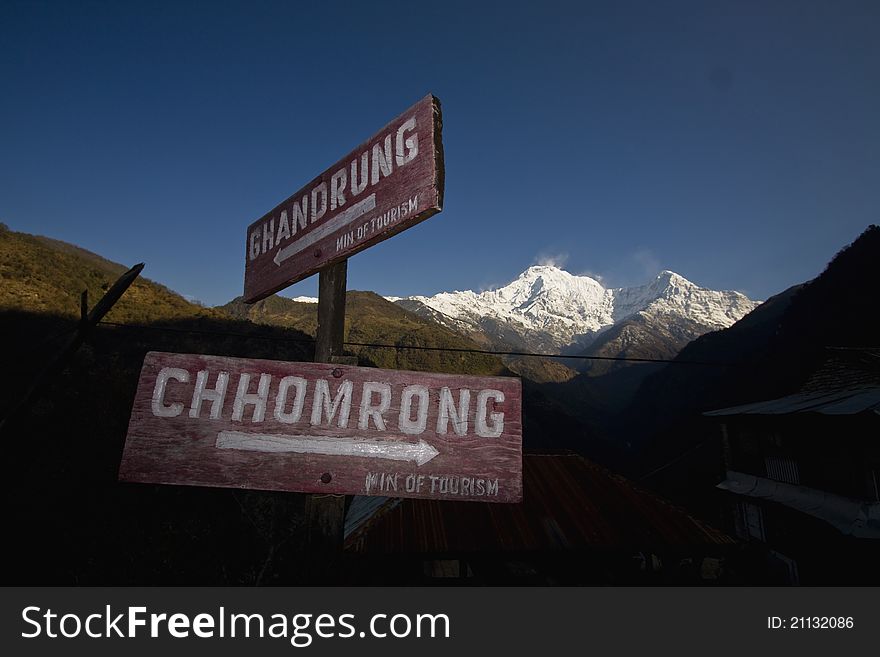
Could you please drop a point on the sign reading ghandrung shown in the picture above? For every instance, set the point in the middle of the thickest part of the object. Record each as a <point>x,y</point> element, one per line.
<point>315,427</point>
<point>392,181</point>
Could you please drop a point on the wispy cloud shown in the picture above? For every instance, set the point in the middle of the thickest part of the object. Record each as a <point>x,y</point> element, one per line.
<point>645,263</point>
<point>560,260</point>
<point>636,267</point>
<point>551,259</point>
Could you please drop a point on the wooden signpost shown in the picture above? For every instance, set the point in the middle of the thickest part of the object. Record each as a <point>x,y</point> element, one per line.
<point>328,428</point>
<point>392,181</point>
<point>324,428</point>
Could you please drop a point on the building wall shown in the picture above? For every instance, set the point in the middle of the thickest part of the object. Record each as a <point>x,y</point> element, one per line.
<point>837,454</point>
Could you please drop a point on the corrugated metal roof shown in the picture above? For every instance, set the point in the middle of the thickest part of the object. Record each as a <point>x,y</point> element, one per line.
<point>840,402</point>
<point>847,383</point>
<point>845,368</point>
<point>365,507</point>
<point>569,503</point>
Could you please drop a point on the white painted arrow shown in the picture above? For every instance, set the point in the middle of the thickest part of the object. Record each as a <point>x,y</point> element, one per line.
<point>396,450</point>
<point>332,225</point>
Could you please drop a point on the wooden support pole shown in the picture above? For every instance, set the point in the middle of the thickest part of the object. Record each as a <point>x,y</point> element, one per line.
<point>326,513</point>
<point>331,312</point>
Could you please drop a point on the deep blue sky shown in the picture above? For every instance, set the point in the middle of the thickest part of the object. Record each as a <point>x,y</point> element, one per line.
<point>737,143</point>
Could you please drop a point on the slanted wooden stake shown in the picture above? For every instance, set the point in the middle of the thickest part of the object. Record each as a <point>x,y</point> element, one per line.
<point>326,513</point>
<point>87,322</point>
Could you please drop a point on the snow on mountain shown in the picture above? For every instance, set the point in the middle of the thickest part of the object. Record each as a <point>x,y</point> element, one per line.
<point>548,307</point>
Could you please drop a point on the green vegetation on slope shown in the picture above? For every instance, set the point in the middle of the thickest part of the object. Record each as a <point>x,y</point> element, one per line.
<point>38,274</point>
<point>540,370</point>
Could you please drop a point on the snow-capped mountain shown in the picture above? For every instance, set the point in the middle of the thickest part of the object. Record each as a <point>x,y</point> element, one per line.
<point>549,308</point>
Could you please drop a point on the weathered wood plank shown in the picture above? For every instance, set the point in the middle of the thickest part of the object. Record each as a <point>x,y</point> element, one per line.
<point>324,428</point>
<point>391,182</point>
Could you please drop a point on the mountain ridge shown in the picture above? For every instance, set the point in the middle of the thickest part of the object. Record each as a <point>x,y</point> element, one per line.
<point>548,308</point>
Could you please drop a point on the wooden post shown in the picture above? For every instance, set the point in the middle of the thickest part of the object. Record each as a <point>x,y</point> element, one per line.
<point>331,312</point>
<point>325,513</point>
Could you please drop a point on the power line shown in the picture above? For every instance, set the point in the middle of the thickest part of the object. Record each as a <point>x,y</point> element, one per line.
<point>526,353</point>
<point>463,350</point>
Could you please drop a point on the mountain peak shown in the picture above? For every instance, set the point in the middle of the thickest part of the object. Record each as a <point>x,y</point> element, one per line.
<point>554,274</point>
<point>541,283</point>
<point>669,277</point>
<point>541,269</point>
<point>544,270</point>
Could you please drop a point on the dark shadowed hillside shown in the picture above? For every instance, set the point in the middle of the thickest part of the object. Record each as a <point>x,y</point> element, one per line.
<point>728,355</point>
<point>74,524</point>
<point>640,336</point>
<point>767,354</point>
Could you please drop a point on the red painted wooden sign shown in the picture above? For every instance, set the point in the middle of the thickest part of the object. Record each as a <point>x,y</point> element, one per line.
<point>392,181</point>
<point>324,428</point>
